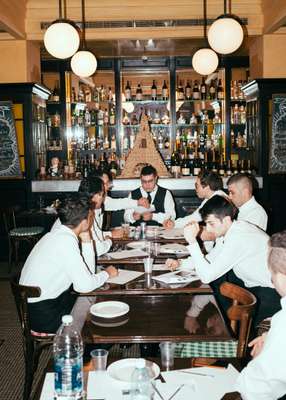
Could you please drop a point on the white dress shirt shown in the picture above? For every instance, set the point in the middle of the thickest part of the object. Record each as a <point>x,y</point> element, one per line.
<point>196,216</point>
<point>55,263</point>
<point>244,249</point>
<point>111,204</point>
<point>264,378</point>
<point>102,244</point>
<point>253,212</point>
<point>169,207</point>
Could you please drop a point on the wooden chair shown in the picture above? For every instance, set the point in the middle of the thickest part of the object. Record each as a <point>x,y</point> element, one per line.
<point>16,235</point>
<point>240,318</point>
<point>33,343</point>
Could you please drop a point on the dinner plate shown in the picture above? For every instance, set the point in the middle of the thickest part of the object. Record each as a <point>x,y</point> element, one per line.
<point>109,324</point>
<point>122,370</point>
<point>175,233</point>
<point>174,248</point>
<point>109,309</point>
<point>137,245</point>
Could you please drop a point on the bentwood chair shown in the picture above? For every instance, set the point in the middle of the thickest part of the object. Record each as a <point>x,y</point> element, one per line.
<point>33,342</point>
<point>239,317</point>
<point>16,235</point>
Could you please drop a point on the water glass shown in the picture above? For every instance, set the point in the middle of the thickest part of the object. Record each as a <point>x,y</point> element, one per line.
<point>125,228</point>
<point>132,232</point>
<point>148,265</point>
<point>99,359</point>
<point>167,350</point>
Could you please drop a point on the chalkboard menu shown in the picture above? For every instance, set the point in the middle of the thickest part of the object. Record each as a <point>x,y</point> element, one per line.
<point>277,156</point>
<point>9,156</point>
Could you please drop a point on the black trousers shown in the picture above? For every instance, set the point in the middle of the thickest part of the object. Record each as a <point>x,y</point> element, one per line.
<point>46,316</point>
<point>268,300</point>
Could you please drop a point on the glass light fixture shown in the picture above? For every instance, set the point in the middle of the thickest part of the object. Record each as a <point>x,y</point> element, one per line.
<point>83,63</point>
<point>205,61</point>
<point>225,34</point>
<point>61,39</point>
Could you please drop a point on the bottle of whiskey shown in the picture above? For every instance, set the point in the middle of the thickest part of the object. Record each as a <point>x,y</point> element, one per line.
<point>154,91</point>
<point>165,91</point>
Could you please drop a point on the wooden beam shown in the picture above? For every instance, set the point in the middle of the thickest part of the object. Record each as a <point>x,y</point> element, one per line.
<point>12,17</point>
<point>274,15</point>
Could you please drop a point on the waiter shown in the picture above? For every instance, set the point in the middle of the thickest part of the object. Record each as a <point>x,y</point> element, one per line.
<point>162,206</point>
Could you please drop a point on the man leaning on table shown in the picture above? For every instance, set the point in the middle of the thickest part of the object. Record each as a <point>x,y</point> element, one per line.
<point>56,263</point>
<point>160,199</point>
<point>264,377</point>
<point>239,257</point>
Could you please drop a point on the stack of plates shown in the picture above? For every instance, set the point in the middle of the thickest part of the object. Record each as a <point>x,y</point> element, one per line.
<point>122,370</point>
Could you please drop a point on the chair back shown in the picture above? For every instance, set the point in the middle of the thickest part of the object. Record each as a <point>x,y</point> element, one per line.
<point>239,313</point>
<point>9,220</point>
<point>21,294</point>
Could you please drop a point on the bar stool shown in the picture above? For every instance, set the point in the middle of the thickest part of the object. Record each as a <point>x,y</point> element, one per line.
<point>16,235</point>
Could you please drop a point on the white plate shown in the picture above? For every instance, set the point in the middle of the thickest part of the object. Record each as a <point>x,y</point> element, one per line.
<point>174,248</point>
<point>109,309</point>
<point>175,233</point>
<point>122,370</point>
<point>137,245</point>
<point>110,324</point>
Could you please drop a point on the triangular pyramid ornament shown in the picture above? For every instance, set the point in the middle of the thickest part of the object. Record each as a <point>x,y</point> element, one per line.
<point>144,153</point>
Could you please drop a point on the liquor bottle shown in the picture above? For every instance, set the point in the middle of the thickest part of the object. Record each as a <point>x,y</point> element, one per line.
<point>127,92</point>
<point>125,142</point>
<point>165,91</point>
<point>112,116</point>
<point>110,94</point>
<point>87,95</point>
<point>236,114</point>
<point>139,93</point>
<point>196,92</point>
<point>188,91</point>
<point>181,120</point>
<point>167,143</point>
<point>132,138</point>
<point>125,119</point>
<point>229,168</point>
<point>197,162</point>
<point>203,89</point>
<point>214,163</point>
<point>220,92</point>
<point>73,95</point>
<point>87,118</point>
<point>221,170</point>
<point>249,169</point>
<point>160,141</point>
<point>102,93</point>
<point>56,92</point>
<point>185,164</point>
<point>242,114</point>
<point>106,117</point>
<point>154,91</point>
<point>180,92</point>
<point>212,90</point>
<point>113,166</point>
<point>113,143</point>
<point>100,117</point>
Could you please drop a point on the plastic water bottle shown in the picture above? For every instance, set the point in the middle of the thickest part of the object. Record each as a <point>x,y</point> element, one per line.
<point>68,350</point>
<point>141,387</point>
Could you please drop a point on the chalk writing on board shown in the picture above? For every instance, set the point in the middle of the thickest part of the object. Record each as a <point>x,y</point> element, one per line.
<point>9,156</point>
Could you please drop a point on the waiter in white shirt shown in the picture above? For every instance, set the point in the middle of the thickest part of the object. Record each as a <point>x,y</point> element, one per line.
<point>264,377</point>
<point>158,197</point>
<point>239,257</point>
<point>56,263</point>
<point>240,189</point>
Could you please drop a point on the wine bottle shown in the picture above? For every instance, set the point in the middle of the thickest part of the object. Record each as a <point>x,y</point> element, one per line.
<point>165,91</point>
<point>188,91</point>
<point>197,162</point>
<point>180,92</point>
<point>139,93</point>
<point>212,90</point>
<point>185,164</point>
<point>196,92</point>
<point>127,92</point>
<point>203,89</point>
<point>220,92</point>
<point>56,92</point>
<point>154,91</point>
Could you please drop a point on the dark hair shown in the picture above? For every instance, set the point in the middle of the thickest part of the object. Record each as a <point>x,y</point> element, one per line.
<point>277,253</point>
<point>148,170</point>
<point>245,179</point>
<point>100,172</point>
<point>211,179</point>
<point>220,207</point>
<point>73,210</point>
<point>91,186</point>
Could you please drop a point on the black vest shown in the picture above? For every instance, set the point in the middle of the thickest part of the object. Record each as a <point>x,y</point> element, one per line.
<point>158,203</point>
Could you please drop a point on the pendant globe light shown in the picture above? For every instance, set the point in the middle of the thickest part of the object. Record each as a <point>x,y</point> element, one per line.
<point>83,63</point>
<point>61,39</point>
<point>225,34</point>
<point>205,60</point>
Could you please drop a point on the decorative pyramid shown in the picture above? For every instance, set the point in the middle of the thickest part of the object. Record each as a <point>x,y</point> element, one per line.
<point>144,153</point>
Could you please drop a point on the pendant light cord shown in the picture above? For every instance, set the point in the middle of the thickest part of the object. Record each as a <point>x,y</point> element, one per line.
<point>83,23</point>
<point>65,9</point>
<point>205,19</point>
<point>60,10</point>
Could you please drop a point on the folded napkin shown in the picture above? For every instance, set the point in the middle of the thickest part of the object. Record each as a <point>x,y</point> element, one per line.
<point>175,233</point>
<point>117,255</point>
<point>125,276</point>
<point>175,248</point>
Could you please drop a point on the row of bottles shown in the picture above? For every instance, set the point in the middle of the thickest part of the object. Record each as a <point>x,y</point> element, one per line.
<point>87,94</point>
<point>199,91</point>
<point>152,93</point>
<point>236,92</point>
<point>238,114</point>
<point>154,117</point>
<point>93,117</point>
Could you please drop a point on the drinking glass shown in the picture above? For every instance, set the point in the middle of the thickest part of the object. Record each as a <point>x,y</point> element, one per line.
<point>99,359</point>
<point>167,350</point>
<point>148,265</point>
<point>125,228</point>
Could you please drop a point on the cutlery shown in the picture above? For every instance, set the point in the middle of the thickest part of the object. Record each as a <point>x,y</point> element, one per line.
<point>197,373</point>
<point>157,391</point>
<point>177,391</point>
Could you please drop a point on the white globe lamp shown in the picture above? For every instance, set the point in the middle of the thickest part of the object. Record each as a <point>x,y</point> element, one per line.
<point>225,35</point>
<point>61,39</point>
<point>84,63</point>
<point>205,61</point>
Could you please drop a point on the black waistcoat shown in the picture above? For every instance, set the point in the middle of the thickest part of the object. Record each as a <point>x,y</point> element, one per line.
<point>158,203</point>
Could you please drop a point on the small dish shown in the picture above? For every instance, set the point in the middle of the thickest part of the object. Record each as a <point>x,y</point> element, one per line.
<point>109,309</point>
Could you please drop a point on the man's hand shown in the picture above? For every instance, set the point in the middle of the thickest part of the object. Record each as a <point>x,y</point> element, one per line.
<point>191,231</point>
<point>112,271</point>
<point>117,233</point>
<point>85,236</point>
<point>191,324</point>
<point>257,345</point>
<point>172,264</point>
<point>168,224</point>
<point>143,202</point>
<point>206,236</point>
<point>147,216</point>
<point>136,216</point>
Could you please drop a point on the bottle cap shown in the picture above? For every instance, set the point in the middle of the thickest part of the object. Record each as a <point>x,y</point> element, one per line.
<point>140,363</point>
<point>67,319</point>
